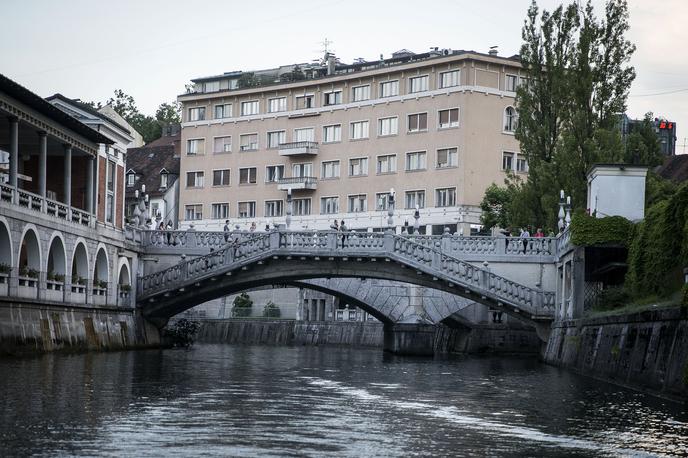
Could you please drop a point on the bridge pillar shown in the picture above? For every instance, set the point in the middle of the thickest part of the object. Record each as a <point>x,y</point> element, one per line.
<point>410,339</point>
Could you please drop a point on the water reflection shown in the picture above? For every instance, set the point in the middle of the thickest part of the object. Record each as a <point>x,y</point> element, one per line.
<point>277,401</point>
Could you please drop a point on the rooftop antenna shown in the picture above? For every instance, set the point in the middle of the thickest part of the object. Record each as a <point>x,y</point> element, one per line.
<point>326,45</point>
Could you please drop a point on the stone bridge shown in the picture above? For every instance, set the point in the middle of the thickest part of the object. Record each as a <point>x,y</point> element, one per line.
<point>280,257</point>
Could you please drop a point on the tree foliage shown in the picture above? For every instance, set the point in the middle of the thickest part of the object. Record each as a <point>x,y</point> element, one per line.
<point>577,81</point>
<point>150,127</point>
<point>494,207</point>
<point>642,145</point>
<point>242,305</point>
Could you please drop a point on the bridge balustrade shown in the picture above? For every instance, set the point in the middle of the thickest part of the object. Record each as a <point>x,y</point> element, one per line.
<point>37,203</point>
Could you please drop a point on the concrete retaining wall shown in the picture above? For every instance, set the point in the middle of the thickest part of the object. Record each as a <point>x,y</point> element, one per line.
<point>487,339</point>
<point>272,332</point>
<point>646,351</point>
<point>35,328</point>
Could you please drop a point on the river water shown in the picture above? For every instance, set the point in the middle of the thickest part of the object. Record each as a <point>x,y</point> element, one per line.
<point>215,400</point>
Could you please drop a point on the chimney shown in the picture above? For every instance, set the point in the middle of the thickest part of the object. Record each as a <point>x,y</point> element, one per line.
<point>330,64</point>
<point>493,50</point>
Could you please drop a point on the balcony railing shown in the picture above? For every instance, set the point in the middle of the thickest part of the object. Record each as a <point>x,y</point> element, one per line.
<point>296,148</point>
<point>36,203</point>
<point>295,183</point>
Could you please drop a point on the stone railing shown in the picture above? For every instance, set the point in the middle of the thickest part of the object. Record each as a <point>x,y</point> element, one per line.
<point>174,240</point>
<point>564,242</point>
<point>37,203</point>
<point>417,253</point>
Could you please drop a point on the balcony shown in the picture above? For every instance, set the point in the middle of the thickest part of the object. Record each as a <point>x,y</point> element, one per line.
<point>296,183</point>
<point>298,148</point>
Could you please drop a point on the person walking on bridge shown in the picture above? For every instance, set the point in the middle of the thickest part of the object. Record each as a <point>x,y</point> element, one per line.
<point>525,235</point>
<point>344,229</point>
<point>226,230</point>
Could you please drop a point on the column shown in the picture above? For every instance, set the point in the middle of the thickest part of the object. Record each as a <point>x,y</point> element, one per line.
<point>68,175</point>
<point>14,150</point>
<point>42,164</point>
<point>89,184</point>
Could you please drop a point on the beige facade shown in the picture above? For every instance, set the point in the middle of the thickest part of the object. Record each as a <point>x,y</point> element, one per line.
<point>445,120</point>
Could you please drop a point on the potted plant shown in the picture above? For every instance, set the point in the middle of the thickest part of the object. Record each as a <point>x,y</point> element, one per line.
<point>5,268</point>
<point>125,288</point>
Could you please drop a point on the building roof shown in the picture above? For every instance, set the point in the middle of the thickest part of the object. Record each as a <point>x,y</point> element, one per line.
<point>147,162</point>
<point>36,102</point>
<point>675,168</point>
<point>88,109</point>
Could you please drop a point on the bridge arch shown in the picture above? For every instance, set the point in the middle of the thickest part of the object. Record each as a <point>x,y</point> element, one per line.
<point>57,258</point>
<point>30,254</point>
<point>101,270</point>
<point>80,261</point>
<point>6,249</point>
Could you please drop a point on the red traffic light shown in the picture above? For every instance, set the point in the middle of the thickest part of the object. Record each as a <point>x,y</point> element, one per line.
<point>662,125</point>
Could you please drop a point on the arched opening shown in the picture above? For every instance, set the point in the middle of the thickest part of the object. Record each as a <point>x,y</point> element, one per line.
<point>5,257</point>
<point>79,269</point>
<point>100,274</point>
<point>29,260</point>
<point>57,263</point>
<point>124,283</point>
<point>510,119</point>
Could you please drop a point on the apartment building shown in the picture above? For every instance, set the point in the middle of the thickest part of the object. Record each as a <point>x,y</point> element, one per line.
<point>436,128</point>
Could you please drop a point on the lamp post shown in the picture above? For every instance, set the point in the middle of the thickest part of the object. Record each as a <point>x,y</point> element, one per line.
<point>289,208</point>
<point>561,224</point>
<point>416,217</point>
<point>567,220</point>
<point>390,209</point>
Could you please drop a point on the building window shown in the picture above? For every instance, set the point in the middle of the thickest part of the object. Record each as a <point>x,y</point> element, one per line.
<point>415,161</point>
<point>302,170</point>
<point>507,161</point>
<point>197,114</point>
<point>417,122</point>
<point>332,133</point>
<point>389,88</point>
<point>194,212</point>
<point>521,164</point>
<point>247,175</point>
<point>381,201</point>
<point>358,167</point>
<point>110,197</point>
<point>249,108</point>
<point>247,210</point>
<point>510,119</point>
<point>445,197</point>
<point>360,93</point>
<point>332,98</point>
<point>220,211</point>
<point>447,157</point>
<point>388,126</point>
<point>222,145</point>
<point>275,139</point>
<point>155,209</point>
<point>511,83</point>
<point>358,203</point>
<point>223,111</point>
<point>359,130</point>
<point>273,173</point>
<point>277,104</point>
<point>221,177</point>
<point>273,208</point>
<point>414,198</point>
<point>304,135</point>
<point>195,147</point>
<point>418,84</point>
<point>248,142</point>
<point>163,180</point>
<point>386,164</point>
<point>131,179</point>
<point>301,207</point>
<point>329,205</point>
<point>448,118</point>
<point>449,79</point>
<point>330,169</point>
<point>304,101</point>
<point>194,179</point>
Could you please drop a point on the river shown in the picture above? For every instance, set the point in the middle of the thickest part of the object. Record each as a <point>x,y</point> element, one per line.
<point>215,400</point>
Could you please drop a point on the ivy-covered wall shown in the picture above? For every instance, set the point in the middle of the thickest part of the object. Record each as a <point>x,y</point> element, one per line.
<point>590,231</point>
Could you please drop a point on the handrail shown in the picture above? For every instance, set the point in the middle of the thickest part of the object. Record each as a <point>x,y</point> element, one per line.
<point>301,144</point>
<point>292,180</point>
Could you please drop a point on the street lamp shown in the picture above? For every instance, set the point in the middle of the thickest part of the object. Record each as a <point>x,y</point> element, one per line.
<point>567,220</point>
<point>416,216</point>
<point>289,208</point>
<point>561,224</point>
<point>390,209</point>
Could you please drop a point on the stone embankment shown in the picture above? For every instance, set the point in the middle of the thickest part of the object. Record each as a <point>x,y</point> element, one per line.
<point>646,350</point>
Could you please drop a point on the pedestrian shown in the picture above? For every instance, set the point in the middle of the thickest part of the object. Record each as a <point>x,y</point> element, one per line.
<point>334,226</point>
<point>343,229</point>
<point>161,227</point>
<point>525,235</point>
<point>253,227</point>
<point>539,234</point>
<point>169,232</point>
<point>149,225</point>
<point>226,230</point>
<point>507,234</point>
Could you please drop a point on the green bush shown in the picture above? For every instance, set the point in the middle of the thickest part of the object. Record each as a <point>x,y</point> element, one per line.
<point>272,310</point>
<point>612,298</point>
<point>242,305</point>
<point>588,231</point>
<point>182,333</point>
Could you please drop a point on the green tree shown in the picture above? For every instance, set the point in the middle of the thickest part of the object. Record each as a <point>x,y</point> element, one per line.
<point>169,113</point>
<point>495,205</point>
<point>242,305</point>
<point>271,310</point>
<point>149,127</point>
<point>642,145</point>
<point>577,81</point>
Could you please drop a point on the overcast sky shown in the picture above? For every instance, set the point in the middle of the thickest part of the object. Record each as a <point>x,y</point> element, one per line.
<point>86,49</point>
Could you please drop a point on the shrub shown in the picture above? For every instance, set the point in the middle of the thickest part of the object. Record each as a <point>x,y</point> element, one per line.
<point>5,268</point>
<point>242,305</point>
<point>588,230</point>
<point>612,298</point>
<point>182,333</point>
<point>125,288</point>
<point>272,310</point>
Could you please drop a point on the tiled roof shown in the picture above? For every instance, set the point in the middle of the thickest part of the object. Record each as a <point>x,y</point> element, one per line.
<point>675,168</point>
<point>147,161</point>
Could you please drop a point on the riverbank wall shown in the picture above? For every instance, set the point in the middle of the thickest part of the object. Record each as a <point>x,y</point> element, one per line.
<point>480,339</point>
<point>36,327</point>
<point>647,351</point>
